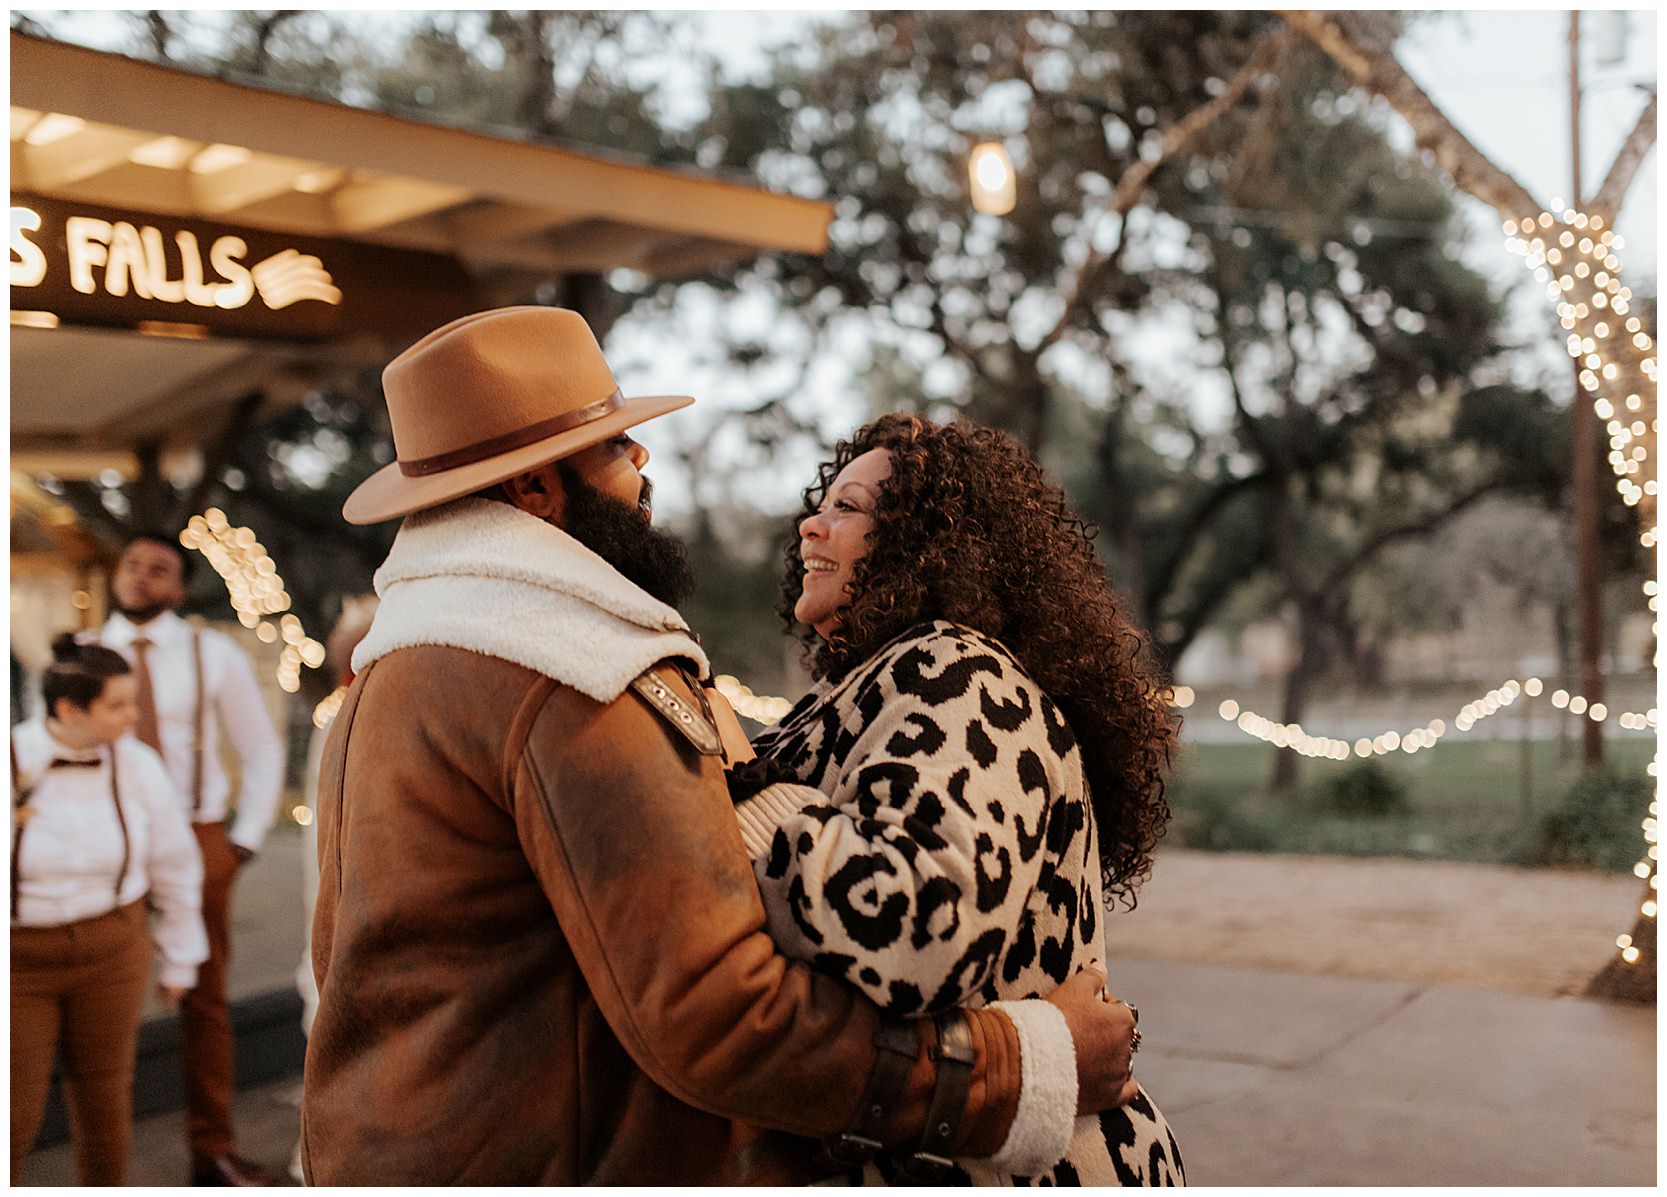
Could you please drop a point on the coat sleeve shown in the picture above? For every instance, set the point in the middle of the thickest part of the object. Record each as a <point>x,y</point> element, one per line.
<point>910,879</point>
<point>633,838</point>
<point>260,752</point>
<point>175,870</point>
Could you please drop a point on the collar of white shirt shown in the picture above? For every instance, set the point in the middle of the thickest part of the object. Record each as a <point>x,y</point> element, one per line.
<point>37,748</point>
<point>63,750</point>
<point>164,630</point>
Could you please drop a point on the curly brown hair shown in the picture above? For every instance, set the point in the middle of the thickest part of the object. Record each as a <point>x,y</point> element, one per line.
<point>968,529</point>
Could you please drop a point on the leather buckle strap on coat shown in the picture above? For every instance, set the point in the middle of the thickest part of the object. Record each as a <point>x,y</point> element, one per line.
<point>954,1057</point>
<point>695,725</point>
<point>897,1044</point>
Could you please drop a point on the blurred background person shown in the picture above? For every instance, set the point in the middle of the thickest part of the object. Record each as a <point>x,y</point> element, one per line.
<point>97,825</point>
<point>192,683</point>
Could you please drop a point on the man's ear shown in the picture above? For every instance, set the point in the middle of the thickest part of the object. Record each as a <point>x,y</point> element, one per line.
<point>539,492</point>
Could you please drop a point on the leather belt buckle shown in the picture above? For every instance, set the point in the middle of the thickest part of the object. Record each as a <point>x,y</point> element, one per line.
<point>925,1167</point>
<point>851,1151</point>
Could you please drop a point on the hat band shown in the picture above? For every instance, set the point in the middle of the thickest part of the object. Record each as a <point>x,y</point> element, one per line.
<point>520,438</point>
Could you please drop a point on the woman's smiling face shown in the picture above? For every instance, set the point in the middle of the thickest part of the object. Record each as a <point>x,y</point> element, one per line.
<point>835,538</point>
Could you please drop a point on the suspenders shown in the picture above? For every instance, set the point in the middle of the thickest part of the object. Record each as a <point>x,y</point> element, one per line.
<point>21,811</point>
<point>20,816</point>
<point>197,723</point>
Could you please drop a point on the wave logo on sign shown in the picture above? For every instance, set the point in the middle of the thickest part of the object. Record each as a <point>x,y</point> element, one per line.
<point>292,276</point>
<point>119,257</point>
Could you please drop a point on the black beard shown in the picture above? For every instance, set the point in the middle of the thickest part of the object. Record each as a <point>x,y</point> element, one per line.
<point>621,535</point>
<point>141,614</point>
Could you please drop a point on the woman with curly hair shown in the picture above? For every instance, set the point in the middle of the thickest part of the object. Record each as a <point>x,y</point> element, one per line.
<point>979,764</point>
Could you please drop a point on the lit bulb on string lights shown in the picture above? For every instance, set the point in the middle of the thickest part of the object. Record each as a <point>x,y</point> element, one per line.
<point>327,707</point>
<point>256,591</point>
<point>759,707</point>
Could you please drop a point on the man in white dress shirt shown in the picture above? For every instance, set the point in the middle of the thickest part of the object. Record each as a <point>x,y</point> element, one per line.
<point>193,684</point>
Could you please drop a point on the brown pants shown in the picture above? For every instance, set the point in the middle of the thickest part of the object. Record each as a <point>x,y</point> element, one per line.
<point>84,986</point>
<point>205,1015</point>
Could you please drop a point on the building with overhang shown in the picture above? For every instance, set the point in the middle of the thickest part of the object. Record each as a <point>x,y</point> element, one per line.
<point>184,244</point>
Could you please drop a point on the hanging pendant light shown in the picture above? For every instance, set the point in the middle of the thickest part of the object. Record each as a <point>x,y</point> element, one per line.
<point>993,181</point>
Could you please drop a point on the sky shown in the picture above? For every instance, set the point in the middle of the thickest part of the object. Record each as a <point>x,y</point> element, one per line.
<point>1501,76</point>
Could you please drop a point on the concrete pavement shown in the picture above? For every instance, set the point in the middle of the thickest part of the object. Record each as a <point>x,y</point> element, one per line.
<point>1267,1077</point>
<point>1282,1079</point>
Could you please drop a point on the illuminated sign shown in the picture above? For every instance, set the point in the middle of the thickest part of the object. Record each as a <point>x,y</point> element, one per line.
<point>133,258</point>
<point>93,265</point>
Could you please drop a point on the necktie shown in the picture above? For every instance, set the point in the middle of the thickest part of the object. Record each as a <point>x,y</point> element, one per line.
<point>68,762</point>
<point>147,728</point>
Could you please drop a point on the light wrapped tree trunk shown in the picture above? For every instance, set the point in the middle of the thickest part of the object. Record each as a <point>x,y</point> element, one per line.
<point>1572,253</point>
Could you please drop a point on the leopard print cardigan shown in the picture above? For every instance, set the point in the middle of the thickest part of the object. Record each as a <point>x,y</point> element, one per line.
<point>941,852</point>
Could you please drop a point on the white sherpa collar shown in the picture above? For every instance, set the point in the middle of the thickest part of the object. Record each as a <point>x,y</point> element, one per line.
<point>490,578</point>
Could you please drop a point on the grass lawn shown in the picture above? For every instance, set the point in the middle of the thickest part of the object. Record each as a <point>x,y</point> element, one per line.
<point>1464,800</point>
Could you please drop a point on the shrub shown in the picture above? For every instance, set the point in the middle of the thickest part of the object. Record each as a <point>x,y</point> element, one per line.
<point>1365,789</point>
<point>1215,821</point>
<point>1596,825</point>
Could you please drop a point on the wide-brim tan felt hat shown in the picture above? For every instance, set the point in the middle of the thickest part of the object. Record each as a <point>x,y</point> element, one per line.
<point>488,397</point>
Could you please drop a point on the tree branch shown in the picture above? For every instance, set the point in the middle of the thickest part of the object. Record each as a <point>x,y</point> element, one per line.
<point>1128,190</point>
<point>1223,586</point>
<point>1197,522</point>
<point>939,326</point>
<point>156,26</point>
<point>1272,457</point>
<point>264,29</point>
<point>216,456</point>
<point>1339,34</point>
<point>1607,202</point>
<point>1421,527</point>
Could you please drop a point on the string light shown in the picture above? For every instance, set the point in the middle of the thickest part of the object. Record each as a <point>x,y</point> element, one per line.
<point>760,707</point>
<point>327,707</point>
<point>1292,736</point>
<point>257,592</point>
<point>1590,264</point>
<point>1631,445</point>
<point>767,709</point>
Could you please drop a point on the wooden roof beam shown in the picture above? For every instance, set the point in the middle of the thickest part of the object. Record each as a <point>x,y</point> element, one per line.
<point>223,193</point>
<point>108,88</point>
<point>365,205</point>
<point>71,159</point>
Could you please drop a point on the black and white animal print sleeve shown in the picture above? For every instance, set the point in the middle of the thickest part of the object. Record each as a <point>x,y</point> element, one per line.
<point>942,764</point>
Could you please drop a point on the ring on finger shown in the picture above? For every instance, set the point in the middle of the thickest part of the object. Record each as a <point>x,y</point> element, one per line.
<point>1134,1041</point>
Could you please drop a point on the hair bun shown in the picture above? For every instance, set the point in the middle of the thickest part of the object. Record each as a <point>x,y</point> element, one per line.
<point>65,647</point>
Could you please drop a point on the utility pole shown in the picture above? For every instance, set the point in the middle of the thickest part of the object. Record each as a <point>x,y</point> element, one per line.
<point>1584,440</point>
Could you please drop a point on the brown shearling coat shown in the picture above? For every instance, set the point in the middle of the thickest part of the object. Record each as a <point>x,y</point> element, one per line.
<point>541,955</point>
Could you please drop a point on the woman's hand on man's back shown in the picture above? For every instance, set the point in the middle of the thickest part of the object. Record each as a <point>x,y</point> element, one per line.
<point>1103,1033</point>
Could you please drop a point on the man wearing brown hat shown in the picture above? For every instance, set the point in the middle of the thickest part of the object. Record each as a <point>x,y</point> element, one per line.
<point>540,951</point>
